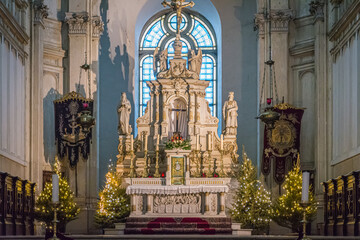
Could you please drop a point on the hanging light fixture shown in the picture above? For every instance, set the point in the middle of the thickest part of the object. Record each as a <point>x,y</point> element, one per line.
<point>85,119</point>
<point>268,115</point>
<point>73,122</point>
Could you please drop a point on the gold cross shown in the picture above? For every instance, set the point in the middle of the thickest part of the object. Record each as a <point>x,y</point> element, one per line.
<point>178,5</point>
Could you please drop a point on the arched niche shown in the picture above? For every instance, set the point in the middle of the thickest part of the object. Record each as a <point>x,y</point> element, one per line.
<point>177,116</point>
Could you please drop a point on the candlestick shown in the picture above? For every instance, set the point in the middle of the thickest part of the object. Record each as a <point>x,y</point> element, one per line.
<point>197,142</point>
<point>157,174</point>
<point>210,172</point>
<point>132,167</point>
<point>157,142</point>
<point>55,221</point>
<point>305,187</point>
<point>304,205</point>
<point>146,168</point>
<point>131,142</point>
<point>221,142</point>
<point>209,141</point>
<point>55,188</point>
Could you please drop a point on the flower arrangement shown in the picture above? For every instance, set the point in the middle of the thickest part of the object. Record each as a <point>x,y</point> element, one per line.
<point>177,141</point>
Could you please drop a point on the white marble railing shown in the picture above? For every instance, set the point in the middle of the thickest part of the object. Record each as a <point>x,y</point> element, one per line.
<point>174,189</point>
<point>208,181</point>
<point>145,181</point>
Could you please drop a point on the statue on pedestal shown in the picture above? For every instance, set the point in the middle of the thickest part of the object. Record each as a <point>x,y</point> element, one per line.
<point>230,115</point>
<point>161,57</point>
<point>124,110</point>
<point>195,61</point>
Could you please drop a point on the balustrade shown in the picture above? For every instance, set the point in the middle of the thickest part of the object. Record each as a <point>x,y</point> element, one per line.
<point>17,199</point>
<point>342,206</point>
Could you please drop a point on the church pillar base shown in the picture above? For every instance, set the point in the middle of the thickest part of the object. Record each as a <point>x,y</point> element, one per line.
<point>84,224</point>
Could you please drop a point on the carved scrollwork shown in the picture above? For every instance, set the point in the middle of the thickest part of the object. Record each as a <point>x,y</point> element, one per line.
<point>187,203</point>
<point>213,203</point>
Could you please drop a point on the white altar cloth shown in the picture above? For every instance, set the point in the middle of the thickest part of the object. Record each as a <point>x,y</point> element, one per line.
<point>174,190</point>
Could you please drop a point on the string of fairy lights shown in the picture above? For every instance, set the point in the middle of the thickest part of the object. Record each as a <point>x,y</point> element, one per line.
<point>252,205</point>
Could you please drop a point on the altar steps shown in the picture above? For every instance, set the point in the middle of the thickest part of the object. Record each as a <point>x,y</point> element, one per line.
<point>187,225</point>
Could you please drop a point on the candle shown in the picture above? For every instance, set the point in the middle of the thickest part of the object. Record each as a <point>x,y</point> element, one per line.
<point>305,187</point>
<point>209,141</point>
<point>197,142</point>
<point>131,142</point>
<point>221,142</point>
<point>55,188</point>
<point>145,145</point>
<point>157,142</point>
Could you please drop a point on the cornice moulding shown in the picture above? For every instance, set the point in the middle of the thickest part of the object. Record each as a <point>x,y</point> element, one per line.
<point>11,23</point>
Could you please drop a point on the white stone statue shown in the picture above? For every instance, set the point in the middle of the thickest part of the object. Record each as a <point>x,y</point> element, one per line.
<point>161,57</point>
<point>195,61</point>
<point>124,110</point>
<point>230,115</point>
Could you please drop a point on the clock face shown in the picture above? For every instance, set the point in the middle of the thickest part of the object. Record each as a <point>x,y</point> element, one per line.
<point>282,137</point>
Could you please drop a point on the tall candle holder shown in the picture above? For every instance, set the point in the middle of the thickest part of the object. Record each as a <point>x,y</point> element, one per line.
<point>55,221</point>
<point>157,174</point>
<point>304,205</point>
<point>146,168</point>
<point>197,162</point>
<point>210,173</point>
<point>132,167</point>
<point>222,173</point>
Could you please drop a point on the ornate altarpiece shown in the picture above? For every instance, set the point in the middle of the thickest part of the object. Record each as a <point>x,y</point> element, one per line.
<point>178,181</point>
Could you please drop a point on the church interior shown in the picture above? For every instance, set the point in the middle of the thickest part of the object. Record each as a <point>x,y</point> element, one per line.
<point>219,117</point>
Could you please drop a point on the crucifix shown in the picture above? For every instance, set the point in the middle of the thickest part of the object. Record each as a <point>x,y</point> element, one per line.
<point>178,5</point>
<point>177,110</point>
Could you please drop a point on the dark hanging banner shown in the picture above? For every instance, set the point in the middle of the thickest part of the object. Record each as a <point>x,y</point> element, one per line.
<point>282,144</point>
<point>71,140</point>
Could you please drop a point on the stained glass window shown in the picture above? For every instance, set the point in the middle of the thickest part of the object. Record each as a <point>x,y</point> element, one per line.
<point>196,33</point>
<point>173,22</point>
<point>146,74</point>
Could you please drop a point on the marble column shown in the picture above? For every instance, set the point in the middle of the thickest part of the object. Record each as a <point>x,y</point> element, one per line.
<point>191,130</point>
<point>164,110</point>
<point>280,15</point>
<point>322,129</point>
<point>222,204</point>
<point>36,112</point>
<point>84,31</point>
<point>157,113</point>
<point>207,203</point>
<point>150,200</point>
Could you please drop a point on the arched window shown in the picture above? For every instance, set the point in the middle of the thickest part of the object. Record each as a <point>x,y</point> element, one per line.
<point>196,33</point>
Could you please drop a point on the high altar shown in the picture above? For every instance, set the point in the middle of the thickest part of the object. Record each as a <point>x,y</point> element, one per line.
<point>177,164</point>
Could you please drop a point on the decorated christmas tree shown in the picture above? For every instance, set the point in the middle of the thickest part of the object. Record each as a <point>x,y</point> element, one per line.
<point>286,210</point>
<point>67,208</point>
<point>114,203</point>
<point>252,202</point>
